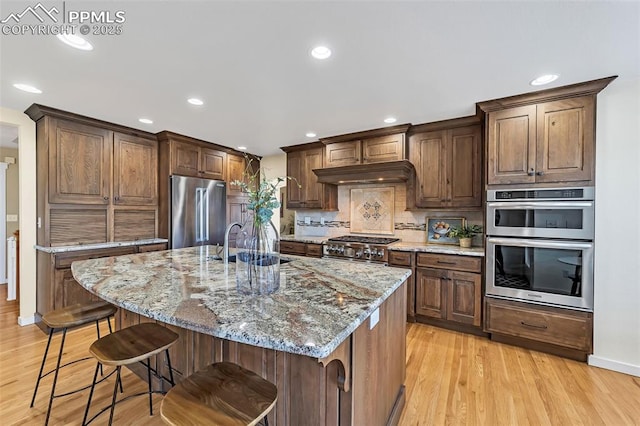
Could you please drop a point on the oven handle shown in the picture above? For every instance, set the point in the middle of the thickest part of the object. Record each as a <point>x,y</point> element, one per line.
<point>521,205</point>
<point>527,242</point>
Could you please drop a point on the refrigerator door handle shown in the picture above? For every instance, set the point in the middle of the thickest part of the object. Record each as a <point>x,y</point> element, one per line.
<point>205,215</point>
<point>198,212</point>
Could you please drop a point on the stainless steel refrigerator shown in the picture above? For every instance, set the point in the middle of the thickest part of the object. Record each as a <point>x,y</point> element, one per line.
<point>198,211</point>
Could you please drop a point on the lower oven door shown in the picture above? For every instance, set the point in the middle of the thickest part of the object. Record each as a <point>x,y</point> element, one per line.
<point>550,272</point>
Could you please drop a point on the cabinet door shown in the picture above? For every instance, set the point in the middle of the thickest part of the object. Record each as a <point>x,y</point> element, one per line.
<point>236,212</point>
<point>236,167</point>
<point>212,163</point>
<point>79,163</point>
<point>511,146</point>
<point>565,150</point>
<point>431,293</point>
<point>464,164</point>
<point>464,295</point>
<point>70,292</point>
<point>295,170</point>
<point>185,159</point>
<point>343,153</point>
<point>135,170</point>
<point>312,190</point>
<point>384,148</point>
<point>429,157</point>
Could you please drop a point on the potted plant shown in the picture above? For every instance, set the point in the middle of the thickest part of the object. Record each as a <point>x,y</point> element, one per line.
<point>465,233</point>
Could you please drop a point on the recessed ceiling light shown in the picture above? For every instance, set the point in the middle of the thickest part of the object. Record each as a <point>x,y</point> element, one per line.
<point>544,79</point>
<point>310,135</point>
<point>390,120</point>
<point>145,121</point>
<point>321,52</point>
<point>242,148</point>
<point>75,41</point>
<point>27,88</point>
<point>195,101</point>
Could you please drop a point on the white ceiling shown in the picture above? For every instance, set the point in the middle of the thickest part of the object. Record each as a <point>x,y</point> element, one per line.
<point>250,63</point>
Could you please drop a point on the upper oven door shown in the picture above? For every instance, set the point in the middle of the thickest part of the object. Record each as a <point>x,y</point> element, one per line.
<point>546,219</point>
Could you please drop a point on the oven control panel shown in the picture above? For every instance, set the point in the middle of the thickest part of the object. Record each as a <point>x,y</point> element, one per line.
<point>356,251</point>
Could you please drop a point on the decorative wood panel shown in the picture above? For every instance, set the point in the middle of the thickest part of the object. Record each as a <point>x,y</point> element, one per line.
<point>135,170</point>
<point>129,225</point>
<point>77,226</point>
<point>79,163</point>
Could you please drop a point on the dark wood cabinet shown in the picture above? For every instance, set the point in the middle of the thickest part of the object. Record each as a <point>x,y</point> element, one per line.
<point>545,137</point>
<point>406,259</point>
<point>135,170</point>
<point>365,151</point>
<point>448,161</point>
<point>561,331</point>
<point>300,248</point>
<point>449,287</point>
<point>304,191</point>
<point>189,159</point>
<point>236,171</point>
<point>79,162</point>
<point>236,212</point>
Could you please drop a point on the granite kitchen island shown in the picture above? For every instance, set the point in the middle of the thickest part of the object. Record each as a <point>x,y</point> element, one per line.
<point>332,338</point>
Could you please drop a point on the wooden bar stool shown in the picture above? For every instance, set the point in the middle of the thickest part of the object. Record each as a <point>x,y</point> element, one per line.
<point>64,319</point>
<point>222,394</point>
<point>128,346</point>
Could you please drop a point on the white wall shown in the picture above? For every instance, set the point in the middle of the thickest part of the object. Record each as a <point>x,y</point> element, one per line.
<point>27,210</point>
<point>617,258</point>
<point>273,167</point>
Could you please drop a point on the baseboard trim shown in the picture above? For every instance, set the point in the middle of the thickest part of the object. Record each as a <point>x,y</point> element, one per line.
<point>609,364</point>
<point>22,321</point>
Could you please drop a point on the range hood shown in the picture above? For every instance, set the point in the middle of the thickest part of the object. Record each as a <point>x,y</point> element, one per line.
<point>388,171</point>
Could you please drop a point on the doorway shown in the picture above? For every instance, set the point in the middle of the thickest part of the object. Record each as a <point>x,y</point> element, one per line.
<point>9,204</point>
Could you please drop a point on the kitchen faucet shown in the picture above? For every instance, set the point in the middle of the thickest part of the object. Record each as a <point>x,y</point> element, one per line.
<point>225,249</point>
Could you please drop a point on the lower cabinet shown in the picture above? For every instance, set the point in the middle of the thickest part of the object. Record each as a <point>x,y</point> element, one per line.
<point>449,287</point>
<point>406,259</point>
<point>561,331</point>
<point>301,249</point>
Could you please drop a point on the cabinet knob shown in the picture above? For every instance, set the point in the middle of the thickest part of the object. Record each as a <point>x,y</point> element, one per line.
<point>116,198</point>
<point>531,172</point>
<point>105,198</point>
<point>540,173</point>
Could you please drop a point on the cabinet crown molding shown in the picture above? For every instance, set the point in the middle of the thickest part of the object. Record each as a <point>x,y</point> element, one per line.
<point>302,147</point>
<point>167,135</point>
<point>37,112</point>
<point>586,88</point>
<point>383,131</point>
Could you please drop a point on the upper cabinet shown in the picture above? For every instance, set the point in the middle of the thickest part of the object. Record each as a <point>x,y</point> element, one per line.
<point>189,159</point>
<point>239,169</point>
<point>448,160</point>
<point>135,170</point>
<point>372,146</point>
<point>543,137</point>
<point>304,191</point>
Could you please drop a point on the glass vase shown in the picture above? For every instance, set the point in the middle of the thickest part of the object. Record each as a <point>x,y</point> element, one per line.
<point>257,258</point>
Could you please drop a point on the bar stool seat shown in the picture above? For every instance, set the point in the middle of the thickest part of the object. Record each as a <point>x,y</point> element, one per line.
<point>128,346</point>
<point>222,394</point>
<point>64,319</point>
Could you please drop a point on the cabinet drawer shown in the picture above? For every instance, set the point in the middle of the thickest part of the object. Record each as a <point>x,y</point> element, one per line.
<point>292,247</point>
<point>400,258</point>
<point>64,260</point>
<point>314,250</point>
<point>450,261</point>
<point>152,247</point>
<point>561,327</point>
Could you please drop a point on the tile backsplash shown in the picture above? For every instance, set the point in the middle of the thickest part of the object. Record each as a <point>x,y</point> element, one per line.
<point>408,225</point>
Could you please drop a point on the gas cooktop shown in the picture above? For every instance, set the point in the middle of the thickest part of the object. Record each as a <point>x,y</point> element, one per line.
<point>364,239</point>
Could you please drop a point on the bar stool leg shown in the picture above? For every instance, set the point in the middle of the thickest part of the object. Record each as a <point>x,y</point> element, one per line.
<point>55,376</point>
<point>115,392</point>
<point>98,334</point>
<point>166,354</point>
<point>93,385</point>
<point>44,359</point>
<point>266,421</point>
<point>148,363</point>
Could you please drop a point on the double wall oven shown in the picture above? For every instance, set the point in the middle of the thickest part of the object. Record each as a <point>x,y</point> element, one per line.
<point>540,246</point>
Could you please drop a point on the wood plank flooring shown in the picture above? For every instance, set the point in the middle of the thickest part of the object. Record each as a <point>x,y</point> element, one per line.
<point>452,378</point>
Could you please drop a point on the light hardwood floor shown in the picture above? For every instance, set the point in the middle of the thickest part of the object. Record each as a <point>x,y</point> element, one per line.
<point>452,378</point>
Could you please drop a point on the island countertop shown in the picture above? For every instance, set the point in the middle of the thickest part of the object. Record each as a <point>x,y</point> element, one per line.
<point>319,304</point>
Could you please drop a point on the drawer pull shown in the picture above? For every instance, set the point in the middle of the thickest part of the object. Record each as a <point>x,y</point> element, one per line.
<point>444,262</point>
<point>541,327</point>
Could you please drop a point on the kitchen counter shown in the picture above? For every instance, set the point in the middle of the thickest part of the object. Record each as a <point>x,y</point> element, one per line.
<point>330,338</point>
<point>310,240</point>
<point>79,247</point>
<point>437,248</point>
<point>317,307</point>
